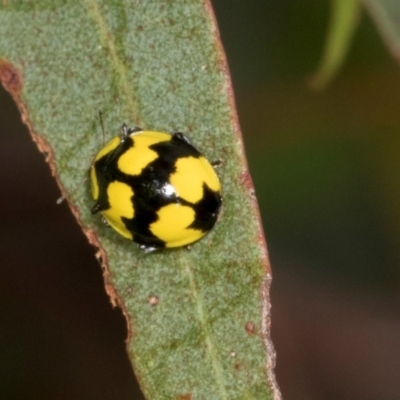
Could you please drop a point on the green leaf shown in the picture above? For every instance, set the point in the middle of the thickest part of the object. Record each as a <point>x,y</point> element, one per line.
<point>198,321</point>
<point>343,22</point>
<point>385,14</point>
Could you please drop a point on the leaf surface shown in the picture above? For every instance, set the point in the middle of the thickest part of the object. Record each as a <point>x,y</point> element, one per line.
<point>198,321</point>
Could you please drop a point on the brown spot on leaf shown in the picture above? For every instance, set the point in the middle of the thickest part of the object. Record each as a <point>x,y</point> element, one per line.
<point>185,397</point>
<point>250,328</point>
<point>10,77</point>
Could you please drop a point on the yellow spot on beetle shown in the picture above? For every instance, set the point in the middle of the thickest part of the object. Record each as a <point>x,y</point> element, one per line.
<point>108,148</point>
<point>138,157</point>
<point>172,225</point>
<point>95,183</point>
<point>190,175</point>
<point>119,196</point>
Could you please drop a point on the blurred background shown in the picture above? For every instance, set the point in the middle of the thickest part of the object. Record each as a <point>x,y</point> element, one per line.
<point>326,169</point>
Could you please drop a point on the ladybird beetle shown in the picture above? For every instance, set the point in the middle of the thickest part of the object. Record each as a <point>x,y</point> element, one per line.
<point>155,188</point>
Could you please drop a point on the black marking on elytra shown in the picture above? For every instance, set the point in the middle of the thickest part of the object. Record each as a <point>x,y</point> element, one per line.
<point>207,210</point>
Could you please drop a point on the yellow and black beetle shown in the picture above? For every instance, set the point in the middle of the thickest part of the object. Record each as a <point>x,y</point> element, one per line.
<point>155,188</point>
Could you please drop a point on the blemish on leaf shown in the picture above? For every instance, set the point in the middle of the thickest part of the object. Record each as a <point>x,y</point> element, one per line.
<point>153,300</point>
<point>10,77</point>
<point>250,328</point>
<point>185,397</point>
<point>237,366</point>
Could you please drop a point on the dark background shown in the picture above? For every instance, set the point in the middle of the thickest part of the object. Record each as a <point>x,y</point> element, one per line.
<point>327,175</point>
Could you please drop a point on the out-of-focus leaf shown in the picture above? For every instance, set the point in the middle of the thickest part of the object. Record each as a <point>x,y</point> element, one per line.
<point>386,14</point>
<point>343,22</point>
<point>198,321</point>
